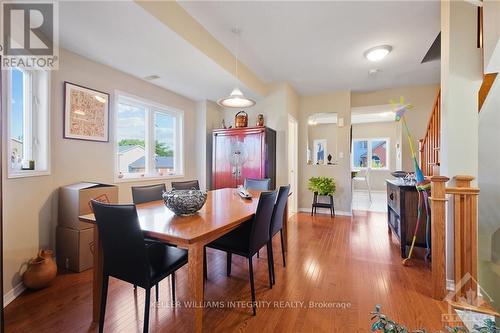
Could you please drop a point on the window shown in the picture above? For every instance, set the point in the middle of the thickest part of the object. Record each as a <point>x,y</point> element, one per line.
<point>149,139</point>
<point>28,123</point>
<point>373,153</point>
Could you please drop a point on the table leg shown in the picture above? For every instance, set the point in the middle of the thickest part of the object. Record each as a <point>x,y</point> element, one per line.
<point>97,280</point>
<point>285,227</point>
<point>195,275</point>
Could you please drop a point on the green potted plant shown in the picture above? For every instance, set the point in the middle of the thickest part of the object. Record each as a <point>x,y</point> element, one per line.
<point>322,185</point>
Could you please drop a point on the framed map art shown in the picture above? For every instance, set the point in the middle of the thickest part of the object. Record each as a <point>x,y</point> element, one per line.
<point>86,113</point>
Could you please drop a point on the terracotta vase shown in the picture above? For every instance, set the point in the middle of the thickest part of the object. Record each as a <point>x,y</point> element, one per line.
<point>41,270</point>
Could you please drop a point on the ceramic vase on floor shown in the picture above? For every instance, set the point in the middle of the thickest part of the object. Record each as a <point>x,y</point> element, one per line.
<point>41,270</point>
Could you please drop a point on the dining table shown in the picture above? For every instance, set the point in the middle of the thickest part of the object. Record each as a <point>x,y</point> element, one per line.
<point>223,211</point>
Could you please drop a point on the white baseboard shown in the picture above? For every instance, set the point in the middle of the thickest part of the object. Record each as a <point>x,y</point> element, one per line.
<point>12,294</point>
<point>326,211</point>
<point>450,285</point>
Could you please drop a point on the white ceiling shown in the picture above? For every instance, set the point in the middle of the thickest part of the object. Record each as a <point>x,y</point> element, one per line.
<point>319,46</point>
<point>124,36</point>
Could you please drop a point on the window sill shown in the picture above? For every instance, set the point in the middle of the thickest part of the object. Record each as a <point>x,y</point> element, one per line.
<point>27,173</point>
<point>146,178</point>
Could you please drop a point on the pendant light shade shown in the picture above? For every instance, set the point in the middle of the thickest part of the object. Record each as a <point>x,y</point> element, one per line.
<point>236,100</point>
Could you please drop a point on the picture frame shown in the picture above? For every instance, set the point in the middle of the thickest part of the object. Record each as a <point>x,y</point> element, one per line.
<point>86,113</point>
<point>320,152</point>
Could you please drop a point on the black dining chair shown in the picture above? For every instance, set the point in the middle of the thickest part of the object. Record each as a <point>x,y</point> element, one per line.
<point>263,184</point>
<point>187,185</point>
<point>277,224</point>
<point>248,238</point>
<point>147,193</point>
<point>126,256</point>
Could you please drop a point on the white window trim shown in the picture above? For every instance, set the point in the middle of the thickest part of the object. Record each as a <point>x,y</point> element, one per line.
<point>369,157</point>
<point>12,174</point>
<point>150,135</point>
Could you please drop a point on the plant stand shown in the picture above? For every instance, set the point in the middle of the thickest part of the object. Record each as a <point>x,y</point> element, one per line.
<point>317,204</point>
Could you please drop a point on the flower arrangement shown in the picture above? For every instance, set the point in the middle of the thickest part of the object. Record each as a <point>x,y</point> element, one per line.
<point>383,324</point>
<point>322,185</point>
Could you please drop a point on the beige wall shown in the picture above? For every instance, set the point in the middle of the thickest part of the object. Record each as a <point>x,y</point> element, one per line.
<point>30,204</point>
<point>422,99</point>
<point>391,130</point>
<point>339,102</point>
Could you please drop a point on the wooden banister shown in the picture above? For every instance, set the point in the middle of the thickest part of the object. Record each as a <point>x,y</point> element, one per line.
<point>429,147</point>
<point>488,80</point>
<point>464,198</point>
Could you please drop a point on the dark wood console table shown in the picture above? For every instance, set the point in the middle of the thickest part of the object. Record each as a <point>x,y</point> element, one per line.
<point>402,212</point>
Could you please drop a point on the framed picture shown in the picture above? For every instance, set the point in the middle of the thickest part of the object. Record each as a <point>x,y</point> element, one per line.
<point>320,152</point>
<point>86,113</point>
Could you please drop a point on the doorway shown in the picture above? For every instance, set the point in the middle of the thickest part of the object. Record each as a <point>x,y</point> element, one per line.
<point>293,134</point>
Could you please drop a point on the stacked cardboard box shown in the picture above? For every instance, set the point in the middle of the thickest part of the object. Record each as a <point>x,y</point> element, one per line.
<point>75,239</point>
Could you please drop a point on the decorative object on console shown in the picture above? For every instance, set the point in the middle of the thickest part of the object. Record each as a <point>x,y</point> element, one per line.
<point>86,113</point>
<point>41,270</point>
<point>184,202</point>
<point>423,185</point>
<point>241,119</point>
<point>240,153</point>
<point>319,151</point>
<point>223,124</point>
<point>260,120</point>
<point>329,159</point>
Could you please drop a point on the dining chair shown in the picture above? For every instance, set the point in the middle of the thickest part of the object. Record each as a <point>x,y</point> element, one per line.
<point>248,238</point>
<point>263,184</point>
<point>187,185</point>
<point>277,225</point>
<point>147,193</point>
<point>126,256</point>
<point>364,177</point>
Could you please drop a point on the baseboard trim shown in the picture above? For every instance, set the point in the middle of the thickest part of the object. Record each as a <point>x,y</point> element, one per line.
<point>450,285</point>
<point>326,211</point>
<point>12,294</point>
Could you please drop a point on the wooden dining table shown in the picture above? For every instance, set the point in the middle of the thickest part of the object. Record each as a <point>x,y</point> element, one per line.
<point>223,211</point>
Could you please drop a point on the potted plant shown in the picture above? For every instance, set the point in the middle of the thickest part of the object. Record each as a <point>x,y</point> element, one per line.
<point>322,185</point>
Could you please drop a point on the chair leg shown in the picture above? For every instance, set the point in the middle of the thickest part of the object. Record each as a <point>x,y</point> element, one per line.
<point>252,287</point>
<point>172,277</point>
<point>147,305</point>
<point>157,292</point>
<point>269,269</point>
<point>271,260</point>
<point>104,295</point>
<point>282,247</point>
<point>228,263</point>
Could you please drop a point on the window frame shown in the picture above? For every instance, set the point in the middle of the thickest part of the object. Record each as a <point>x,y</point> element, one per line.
<point>28,121</point>
<point>150,109</point>
<point>370,153</point>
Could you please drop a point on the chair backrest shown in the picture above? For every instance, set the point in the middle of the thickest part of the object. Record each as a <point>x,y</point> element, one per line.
<point>259,235</point>
<point>279,210</point>
<point>124,250</point>
<point>148,193</point>
<point>263,184</point>
<point>187,185</point>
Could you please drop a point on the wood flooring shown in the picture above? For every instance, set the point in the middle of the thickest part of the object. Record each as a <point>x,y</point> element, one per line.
<point>337,270</point>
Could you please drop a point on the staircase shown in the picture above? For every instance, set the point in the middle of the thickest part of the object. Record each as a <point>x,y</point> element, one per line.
<point>430,145</point>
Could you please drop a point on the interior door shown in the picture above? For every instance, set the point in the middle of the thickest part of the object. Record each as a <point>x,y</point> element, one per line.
<point>292,164</point>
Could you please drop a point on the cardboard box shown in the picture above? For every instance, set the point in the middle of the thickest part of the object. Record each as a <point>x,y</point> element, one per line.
<point>74,200</point>
<point>75,248</point>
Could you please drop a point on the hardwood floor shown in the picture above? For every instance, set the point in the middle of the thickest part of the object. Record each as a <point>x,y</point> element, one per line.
<point>351,264</point>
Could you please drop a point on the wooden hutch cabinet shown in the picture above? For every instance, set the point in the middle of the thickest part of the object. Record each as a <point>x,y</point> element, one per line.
<point>240,153</point>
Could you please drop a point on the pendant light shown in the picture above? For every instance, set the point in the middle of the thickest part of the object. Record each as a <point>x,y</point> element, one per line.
<point>236,99</point>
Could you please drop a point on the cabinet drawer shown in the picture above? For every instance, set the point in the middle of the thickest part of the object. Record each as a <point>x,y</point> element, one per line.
<point>393,196</point>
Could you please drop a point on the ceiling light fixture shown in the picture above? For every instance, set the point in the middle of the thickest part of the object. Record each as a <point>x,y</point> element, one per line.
<point>236,99</point>
<point>378,53</point>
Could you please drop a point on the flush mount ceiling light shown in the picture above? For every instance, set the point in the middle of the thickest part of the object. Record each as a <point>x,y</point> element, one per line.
<point>378,53</point>
<point>236,99</point>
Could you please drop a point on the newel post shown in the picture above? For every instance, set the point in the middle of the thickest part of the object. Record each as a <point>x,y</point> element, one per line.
<point>438,237</point>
